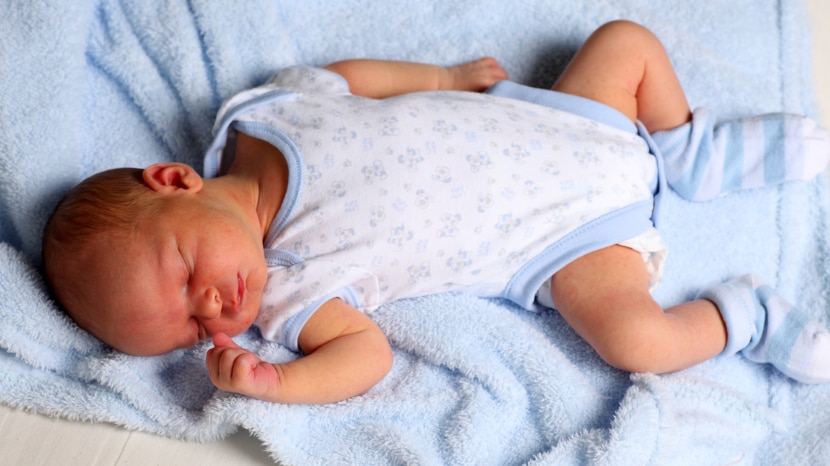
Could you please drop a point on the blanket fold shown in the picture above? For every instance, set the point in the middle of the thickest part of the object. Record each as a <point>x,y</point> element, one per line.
<point>95,84</point>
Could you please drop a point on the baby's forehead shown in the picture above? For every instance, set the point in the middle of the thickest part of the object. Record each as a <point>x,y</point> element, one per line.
<point>116,279</point>
<point>108,262</point>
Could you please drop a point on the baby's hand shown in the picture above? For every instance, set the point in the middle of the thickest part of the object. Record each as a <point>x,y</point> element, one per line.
<point>235,369</point>
<point>475,76</point>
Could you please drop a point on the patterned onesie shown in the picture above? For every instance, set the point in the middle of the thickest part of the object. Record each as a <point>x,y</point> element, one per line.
<point>434,191</point>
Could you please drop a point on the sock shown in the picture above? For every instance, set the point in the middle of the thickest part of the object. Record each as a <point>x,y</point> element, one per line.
<point>765,328</point>
<point>704,159</point>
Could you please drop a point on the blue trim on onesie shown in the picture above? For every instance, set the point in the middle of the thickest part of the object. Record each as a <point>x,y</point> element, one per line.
<point>586,108</point>
<point>275,137</point>
<point>213,161</point>
<point>662,184</point>
<point>296,170</point>
<point>612,228</point>
<point>570,103</point>
<point>294,325</point>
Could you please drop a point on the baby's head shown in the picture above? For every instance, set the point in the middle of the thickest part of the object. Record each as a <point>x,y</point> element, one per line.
<point>147,263</point>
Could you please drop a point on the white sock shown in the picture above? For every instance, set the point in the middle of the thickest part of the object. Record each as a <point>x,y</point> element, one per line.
<point>705,158</point>
<point>765,328</point>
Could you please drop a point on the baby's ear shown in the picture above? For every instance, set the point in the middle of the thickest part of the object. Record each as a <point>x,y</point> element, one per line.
<point>172,177</point>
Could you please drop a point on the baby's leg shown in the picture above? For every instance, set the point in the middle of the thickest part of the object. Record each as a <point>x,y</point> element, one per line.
<point>625,66</point>
<point>604,296</point>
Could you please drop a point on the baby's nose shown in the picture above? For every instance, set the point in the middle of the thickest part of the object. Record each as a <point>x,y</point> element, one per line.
<point>209,306</point>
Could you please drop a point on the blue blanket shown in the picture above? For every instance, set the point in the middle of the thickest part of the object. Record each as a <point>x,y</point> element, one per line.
<point>88,85</point>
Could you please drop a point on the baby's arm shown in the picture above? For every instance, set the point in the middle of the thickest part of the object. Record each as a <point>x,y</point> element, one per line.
<point>382,78</point>
<point>346,354</point>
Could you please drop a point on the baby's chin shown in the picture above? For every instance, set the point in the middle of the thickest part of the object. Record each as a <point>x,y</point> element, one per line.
<point>146,348</point>
<point>251,312</point>
<point>241,326</point>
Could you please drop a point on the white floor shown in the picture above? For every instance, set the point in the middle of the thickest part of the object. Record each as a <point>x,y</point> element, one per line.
<point>30,439</point>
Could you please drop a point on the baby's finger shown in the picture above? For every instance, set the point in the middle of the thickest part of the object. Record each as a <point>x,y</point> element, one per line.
<point>219,362</point>
<point>222,339</point>
<point>235,365</point>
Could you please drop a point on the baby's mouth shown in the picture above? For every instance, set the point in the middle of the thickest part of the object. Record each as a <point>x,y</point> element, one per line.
<point>240,291</point>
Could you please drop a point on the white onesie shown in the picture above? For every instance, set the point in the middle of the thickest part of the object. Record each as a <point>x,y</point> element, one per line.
<point>434,191</point>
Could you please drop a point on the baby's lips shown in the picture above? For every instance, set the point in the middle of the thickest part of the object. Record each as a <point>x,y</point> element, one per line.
<point>240,291</point>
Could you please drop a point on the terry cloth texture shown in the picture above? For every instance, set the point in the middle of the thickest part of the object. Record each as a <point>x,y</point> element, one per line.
<point>94,84</point>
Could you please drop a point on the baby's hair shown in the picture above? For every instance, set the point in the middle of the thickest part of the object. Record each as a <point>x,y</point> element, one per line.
<point>112,202</point>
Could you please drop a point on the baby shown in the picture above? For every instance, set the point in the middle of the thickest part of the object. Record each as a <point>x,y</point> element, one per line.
<point>329,192</point>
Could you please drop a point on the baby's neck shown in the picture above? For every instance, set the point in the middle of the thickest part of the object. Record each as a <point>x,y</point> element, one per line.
<point>263,165</point>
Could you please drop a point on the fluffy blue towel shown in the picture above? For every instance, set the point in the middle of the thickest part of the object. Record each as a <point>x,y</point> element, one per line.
<point>89,85</point>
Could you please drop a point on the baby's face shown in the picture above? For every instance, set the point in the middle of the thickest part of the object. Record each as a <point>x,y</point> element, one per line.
<point>193,271</point>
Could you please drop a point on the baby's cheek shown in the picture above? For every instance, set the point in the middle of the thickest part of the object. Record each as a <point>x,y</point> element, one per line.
<point>257,280</point>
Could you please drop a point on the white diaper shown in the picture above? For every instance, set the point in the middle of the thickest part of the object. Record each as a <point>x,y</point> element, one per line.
<point>650,246</point>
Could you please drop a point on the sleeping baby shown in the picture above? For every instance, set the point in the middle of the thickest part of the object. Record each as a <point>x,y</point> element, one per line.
<point>328,192</point>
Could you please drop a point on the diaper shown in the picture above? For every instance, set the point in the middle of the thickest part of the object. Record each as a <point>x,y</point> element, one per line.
<point>650,246</point>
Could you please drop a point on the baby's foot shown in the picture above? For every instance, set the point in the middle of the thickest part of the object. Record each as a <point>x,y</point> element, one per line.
<point>477,75</point>
<point>766,328</point>
<point>762,151</point>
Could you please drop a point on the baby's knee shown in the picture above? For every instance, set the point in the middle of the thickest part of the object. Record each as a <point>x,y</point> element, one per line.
<point>632,35</point>
<point>622,28</point>
<point>633,348</point>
